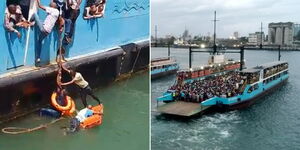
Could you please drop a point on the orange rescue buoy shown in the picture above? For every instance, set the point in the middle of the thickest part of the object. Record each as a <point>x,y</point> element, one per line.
<point>69,109</point>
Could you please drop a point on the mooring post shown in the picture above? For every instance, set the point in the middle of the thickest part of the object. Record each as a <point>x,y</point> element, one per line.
<point>190,57</point>
<point>242,58</point>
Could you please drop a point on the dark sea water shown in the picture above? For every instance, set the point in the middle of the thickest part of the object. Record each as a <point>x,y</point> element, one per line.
<point>273,123</point>
<point>125,124</point>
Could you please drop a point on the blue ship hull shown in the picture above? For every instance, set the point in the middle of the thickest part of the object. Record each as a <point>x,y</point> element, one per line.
<point>124,22</point>
<point>103,49</point>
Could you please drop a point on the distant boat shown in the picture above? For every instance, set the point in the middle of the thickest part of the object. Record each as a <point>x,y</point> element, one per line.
<point>161,67</point>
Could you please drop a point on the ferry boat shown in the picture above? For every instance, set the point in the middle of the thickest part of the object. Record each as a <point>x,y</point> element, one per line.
<point>103,48</point>
<point>258,81</point>
<point>163,66</point>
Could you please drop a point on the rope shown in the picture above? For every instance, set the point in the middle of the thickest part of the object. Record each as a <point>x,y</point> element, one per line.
<point>18,130</point>
<point>137,56</point>
<point>135,60</point>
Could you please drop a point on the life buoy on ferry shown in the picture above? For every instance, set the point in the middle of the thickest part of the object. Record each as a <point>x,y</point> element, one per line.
<point>69,109</point>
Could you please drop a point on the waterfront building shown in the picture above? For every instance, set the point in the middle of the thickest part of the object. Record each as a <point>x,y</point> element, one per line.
<point>281,33</point>
<point>256,38</point>
<point>236,35</point>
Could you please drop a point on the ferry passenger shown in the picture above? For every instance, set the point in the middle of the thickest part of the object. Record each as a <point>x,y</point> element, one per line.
<point>71,16</point>
<point>25,6</point>
<point>94,8</point>
<point>14,17</point>
<point>83,85</point>
<point>46,26</point>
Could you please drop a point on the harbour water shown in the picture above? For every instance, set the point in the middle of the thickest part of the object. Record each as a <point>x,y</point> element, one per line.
<point>271,123</point>
<point>125,124</point>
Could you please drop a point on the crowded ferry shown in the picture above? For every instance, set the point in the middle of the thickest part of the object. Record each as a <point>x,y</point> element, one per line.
<point>230,89</point>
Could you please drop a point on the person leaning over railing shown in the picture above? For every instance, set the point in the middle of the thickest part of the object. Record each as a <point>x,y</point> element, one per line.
<point>14,18</point>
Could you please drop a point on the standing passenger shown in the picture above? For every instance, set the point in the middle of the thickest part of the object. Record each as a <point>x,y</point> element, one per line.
<point>46,26</point>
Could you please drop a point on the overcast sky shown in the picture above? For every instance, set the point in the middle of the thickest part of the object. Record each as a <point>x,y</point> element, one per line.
<point>244,16</point>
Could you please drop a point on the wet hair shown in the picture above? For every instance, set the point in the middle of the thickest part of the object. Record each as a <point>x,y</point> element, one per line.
<point>72,72</point>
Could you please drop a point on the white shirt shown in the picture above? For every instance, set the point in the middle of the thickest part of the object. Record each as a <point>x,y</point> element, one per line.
<point>83,114</point>
<point>51,18</point>
<point>79,80</point>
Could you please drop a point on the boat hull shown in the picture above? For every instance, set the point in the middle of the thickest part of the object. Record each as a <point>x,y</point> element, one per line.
<point>251,101</point>
<point>162,74</point>
<point>25,92</point>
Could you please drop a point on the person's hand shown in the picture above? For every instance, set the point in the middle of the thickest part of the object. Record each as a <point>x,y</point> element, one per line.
<point>18,34</point>
<point>19,24</point>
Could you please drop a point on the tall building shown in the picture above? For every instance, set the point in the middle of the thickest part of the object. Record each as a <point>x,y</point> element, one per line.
<point>256,38</point>
<point>281,33</point>
<point>236,35</point>
<point>296,32</point>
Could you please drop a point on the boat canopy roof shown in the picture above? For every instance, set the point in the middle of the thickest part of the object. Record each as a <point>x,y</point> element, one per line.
<point>251,70</point>
<point>263,66</point>
<point>271,64</point>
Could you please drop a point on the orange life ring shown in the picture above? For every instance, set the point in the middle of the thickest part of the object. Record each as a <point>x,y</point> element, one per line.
<point>59,107</point>
<point>72,110</point>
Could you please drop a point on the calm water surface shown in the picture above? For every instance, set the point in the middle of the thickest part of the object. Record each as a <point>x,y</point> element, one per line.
<point>272,123</point>
<point>125,124</point>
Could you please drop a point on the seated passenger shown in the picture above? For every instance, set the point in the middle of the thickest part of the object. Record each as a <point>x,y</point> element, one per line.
<point>14,17</point>
<point>46,26</point>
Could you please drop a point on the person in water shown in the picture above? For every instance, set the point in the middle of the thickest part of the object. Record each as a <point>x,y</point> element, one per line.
<point>81,117</point>
<point>83,85</point>
<point>61,93</point>
<point>61,97</point>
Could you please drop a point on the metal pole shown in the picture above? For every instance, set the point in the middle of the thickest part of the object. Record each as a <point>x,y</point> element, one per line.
<point>279,55</point>
<point>215,46</point>
<point>169,49</point>
<point>242,58</point>
<point>190,57</point>
<point>155,35</point>
<point>261,36</point>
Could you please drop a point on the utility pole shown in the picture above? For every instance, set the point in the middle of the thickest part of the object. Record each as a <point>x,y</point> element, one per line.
<point>261,36</point>
<point>215,26</point>
<point>155,35</point>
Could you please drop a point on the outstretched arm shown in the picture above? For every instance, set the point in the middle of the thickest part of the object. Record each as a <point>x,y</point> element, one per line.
<point>66,69</point>
<point>67,83</point>
<point>40,6</point>
<point>58,78</point>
